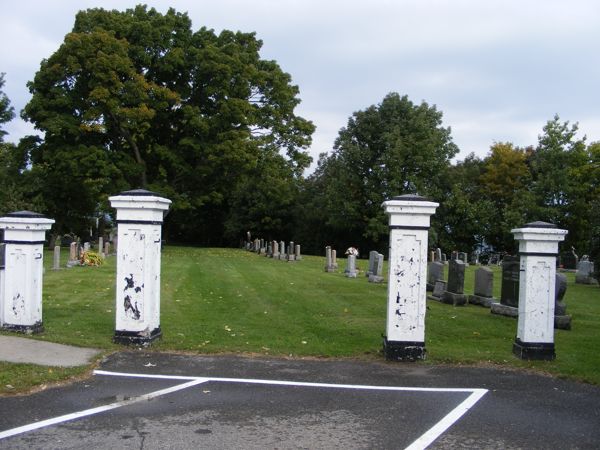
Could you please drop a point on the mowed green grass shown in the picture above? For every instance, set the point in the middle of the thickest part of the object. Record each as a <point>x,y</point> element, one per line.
<point>233,301</point>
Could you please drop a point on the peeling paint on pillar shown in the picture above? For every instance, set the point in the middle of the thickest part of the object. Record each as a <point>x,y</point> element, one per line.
<point>21,287</point>
<point>538,248</point>
<point>405,327</point>
<point>139,220</point>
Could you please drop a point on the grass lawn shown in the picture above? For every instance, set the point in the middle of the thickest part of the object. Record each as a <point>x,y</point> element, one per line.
<point>233,301</point>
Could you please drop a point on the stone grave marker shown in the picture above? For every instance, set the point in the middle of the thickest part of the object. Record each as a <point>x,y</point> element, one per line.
<point>298,254</point>
<point>282,254</point>
<point>509,294</point>
<point>56,261</point>
<point>291,254</point>
<point>454,294</point>
<point>435,271</point>
<point>585,273</point>
<point>484,288</point>
<point>562,320</point>
<point>275,250</point>
<point>101,246</point>
<point>438,290</point>
<point>372,255</point>
<point>334,259</point>
<point>464,258</point>
<point>438,254</point>
<point>377,275</point>
<point>351,271</point>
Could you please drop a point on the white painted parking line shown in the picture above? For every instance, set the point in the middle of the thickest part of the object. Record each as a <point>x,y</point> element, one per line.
<point>421,443</point>
<point>450,419</point>
<point>99,409</point>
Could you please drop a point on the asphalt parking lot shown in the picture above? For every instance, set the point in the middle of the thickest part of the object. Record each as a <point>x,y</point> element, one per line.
<point>153,400</point>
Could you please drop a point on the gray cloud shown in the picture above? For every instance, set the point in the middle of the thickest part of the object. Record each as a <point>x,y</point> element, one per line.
<point>498,70</point>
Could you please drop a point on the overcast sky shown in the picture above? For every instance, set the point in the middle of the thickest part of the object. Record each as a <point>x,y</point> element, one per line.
<point>497,69</point>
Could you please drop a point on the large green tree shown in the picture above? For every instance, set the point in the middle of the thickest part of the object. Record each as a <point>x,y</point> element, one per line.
<point>6,110</point>
<point>138,99</point>
<point>561,190</point>
<point>388,149</point>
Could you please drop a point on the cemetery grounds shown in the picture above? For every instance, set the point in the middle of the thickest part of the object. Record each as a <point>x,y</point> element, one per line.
<point>230,301</point>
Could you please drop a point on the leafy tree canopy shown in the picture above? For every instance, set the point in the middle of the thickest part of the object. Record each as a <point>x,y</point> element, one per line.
<point>6,111</point>
<point>137,98</point>
<point>387,149</point>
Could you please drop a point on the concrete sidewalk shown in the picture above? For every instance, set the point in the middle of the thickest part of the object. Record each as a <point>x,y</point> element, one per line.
<point>31,351</point>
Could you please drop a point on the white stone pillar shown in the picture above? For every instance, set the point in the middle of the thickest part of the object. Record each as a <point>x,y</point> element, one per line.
<point>21,291</point>
<point>139,220</point>
<point>538,249</point>
<point>409,219</point>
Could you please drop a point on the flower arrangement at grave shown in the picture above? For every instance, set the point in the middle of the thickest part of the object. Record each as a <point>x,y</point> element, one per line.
<point>91,258</point>
<point>352,251</point>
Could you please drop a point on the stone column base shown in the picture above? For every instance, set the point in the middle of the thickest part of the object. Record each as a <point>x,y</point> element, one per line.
<point>403,351</point>
<point>25,329</point>
<point>534,350</point>
<point>139,338</point>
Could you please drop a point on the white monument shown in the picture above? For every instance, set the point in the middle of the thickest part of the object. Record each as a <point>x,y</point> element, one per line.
<point>409,218</point>
<point>139,220</point>
<point>21,283</point>
<point>538,249</point>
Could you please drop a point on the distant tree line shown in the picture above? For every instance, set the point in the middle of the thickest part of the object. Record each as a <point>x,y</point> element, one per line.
<point>138,99</point>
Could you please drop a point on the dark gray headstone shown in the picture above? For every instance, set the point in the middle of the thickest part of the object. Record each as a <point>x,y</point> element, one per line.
<point>484,288</point>
<point>438,289</point>
<point>484,282</point>
<point>372,256</point>
<point>560,288</point>
<point>454,294</point>
<point>456,277</point>
<point>435,271</point>
<point>509,295</point>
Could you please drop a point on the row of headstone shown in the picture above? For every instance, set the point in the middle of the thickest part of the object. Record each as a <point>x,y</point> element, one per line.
<point>276,250</point>
<point>452,292</point>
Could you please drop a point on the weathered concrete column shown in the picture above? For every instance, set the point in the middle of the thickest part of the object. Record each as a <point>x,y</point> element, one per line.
<point>21,290</point>
<point>409,227</point>
<point>538,249</point>
<point>139,219</point>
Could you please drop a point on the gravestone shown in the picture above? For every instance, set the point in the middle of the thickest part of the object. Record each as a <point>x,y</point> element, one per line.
<point>86,247</point>
<point>562,320</point>
<point>509,293</point>
<point>454,294</point>
<point>329,260</point>
<point>73,255</point>
<point>56,261</point>
<point>351,271</point>
<point>334,259</point>
<point>101,246</point>
<point>585,273</point>
<point>291,254</point>
<point>372,255</point>
<point>438,254</point>
<point>377,275</point>
<point>269,250</point>
<point>106,248</point>
<point>435,271</point>
<point>464,258</point>
<point>282,255</point>
<point>298,254</point>
<point>454,256</point>
<point>484,288</point>
<point>438,290</point>
<point>275,250</point>
<point>444,258</point>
